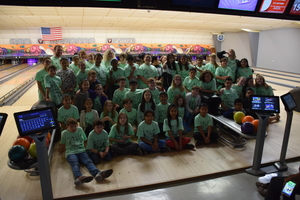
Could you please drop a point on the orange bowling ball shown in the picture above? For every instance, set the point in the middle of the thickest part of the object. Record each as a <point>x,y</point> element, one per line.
<point>247,118</point>
<point>23,142</point>
<point>255,124</point>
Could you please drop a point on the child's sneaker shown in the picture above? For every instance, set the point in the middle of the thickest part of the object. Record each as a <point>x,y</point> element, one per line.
<point>102,175</point>
<point>164,149</point>
<point>189,146</point>
<point>199,143</point>
<point>138,152</point>
<point>83,179</point>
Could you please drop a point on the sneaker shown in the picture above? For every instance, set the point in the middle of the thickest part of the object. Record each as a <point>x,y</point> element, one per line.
<point>199,143</point>
<point>102,175</point>
<point>138,152</point>
<point>164,149</point>
<point>189,146</point>
<point>262,191</point>
<point>144,152</point>
<point>83,179</point>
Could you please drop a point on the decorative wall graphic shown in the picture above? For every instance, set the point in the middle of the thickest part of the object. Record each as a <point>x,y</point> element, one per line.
<point>133,48</point>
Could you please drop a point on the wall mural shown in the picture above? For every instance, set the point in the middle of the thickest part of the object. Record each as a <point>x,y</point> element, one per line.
<point>69,49</point>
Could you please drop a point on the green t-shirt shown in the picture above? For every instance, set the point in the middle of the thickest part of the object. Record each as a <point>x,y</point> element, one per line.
<point>263,91</point>
<point>238,89</point>
<point>208,85</point>
<point>183,73</point>
<point>132,115</point>
<point>117,74</point>
<point>147,71</point>
<point>97,141</point>
<point>147,131</point>
<point>89,65</point>
<point>101,74</point>
<point>204,122</point>
<point>127,71</point>
<point>245,72</point>
<point>119,96</point>
<point>54,83</point>
<point>74,141</point>
<point>89,118</point>
<point>40,77</point>
<point>211,68</point>
<point>135,97</point>
<point>155,95</point>
<point>121,65</point>
<point>203,68</point>
<point>115,118</point>
<point>232,66</point>
<point>174,127</point>
<point>189,83</point>
<point>161,112</point>
<point>97,104</point>
<point>226,71</point>
<point>56,62</point>
<point>75,68</point>
<point>192,103</point>
<point>64,114</point>
<point>228,97</point>
<point>181,111</point>
<point>118,136</point>
<point>80,76</point>
<point>140,114</point>
<point>106,65</point>
<point>172,92</point>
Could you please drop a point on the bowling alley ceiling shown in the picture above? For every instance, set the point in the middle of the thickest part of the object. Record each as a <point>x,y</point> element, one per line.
<point>112,18</point>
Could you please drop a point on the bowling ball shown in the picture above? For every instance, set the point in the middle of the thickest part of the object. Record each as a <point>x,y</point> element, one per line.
<point>23,142</point>
<point>255,124</point>
<point>247,128</point>
<point>28,138</point>
<point>247,118</point>
<point>238,117</point>
<point>32,150</point>
<point>17,153</point>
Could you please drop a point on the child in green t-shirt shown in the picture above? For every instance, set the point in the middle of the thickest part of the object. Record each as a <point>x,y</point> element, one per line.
<point>161,110</point>
<point>222,73</point>
<point>72,142</point>
<point>82,95</point>
<point>67,111</point>
<point>130,112</point>
<point>191,80</point>
<point>53,86</point>
<point>146,104</point>
<point>119,93</point>
<point>153,89</point>
<point>88,116</point>
<point>120,134</point>
<point>82,74</point>
<point>98,143</point>
<point>114,73</point>
<point>203,131</point>
<point>147,133</point>
<point>109,115</point>
<point>75,64</point>
<point>39,77</point>
<point>228,95</point>
<point>134,94</point>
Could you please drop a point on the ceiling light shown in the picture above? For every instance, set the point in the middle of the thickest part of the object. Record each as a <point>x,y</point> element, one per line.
<point>249,30</point>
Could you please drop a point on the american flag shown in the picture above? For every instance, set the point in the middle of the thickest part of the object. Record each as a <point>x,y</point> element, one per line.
<point>51,33</point>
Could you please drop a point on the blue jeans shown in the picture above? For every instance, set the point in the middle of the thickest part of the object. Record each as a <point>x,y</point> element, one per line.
<point>147,147</point>
<point>188,117</point>
<point>76,159</point>
<point>95,157</point>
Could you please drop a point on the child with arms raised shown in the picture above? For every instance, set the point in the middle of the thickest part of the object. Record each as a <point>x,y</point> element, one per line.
<point>203,131</point>
<point>173,127</point>
<point>121,134</point>
<point>72,142</point>
<point>147,133</point>
<point>88,116</point>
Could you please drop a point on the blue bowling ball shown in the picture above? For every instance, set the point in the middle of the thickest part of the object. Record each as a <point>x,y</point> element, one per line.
<point>247,128</point>
<point>17,153</point>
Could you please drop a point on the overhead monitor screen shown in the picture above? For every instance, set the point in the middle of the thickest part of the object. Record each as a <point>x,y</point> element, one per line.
<point>273,6</point>
<point>196,3</point>
<point>265,104</point>
<point>295,10</point>
<point>245,5</point>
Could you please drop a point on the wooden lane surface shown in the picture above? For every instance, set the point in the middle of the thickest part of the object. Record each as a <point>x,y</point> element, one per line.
<point>16,81</point>
<point>282,79</point>
<point>274,71</point>
<point>29,98</point>
<point>136,171</point>
<point>12,70</point>
<point>6,65</point>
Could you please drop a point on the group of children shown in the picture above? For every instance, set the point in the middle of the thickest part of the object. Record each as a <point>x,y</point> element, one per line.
<point>114,102</point>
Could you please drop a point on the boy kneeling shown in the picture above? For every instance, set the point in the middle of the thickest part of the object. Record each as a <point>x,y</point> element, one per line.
<point>72,141</point>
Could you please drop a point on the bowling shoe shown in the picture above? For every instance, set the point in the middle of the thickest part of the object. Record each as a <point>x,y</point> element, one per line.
<point>102,175</point>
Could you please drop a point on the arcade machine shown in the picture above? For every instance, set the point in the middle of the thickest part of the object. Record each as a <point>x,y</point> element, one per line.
<point>264,106</point>
<point>37,123</point>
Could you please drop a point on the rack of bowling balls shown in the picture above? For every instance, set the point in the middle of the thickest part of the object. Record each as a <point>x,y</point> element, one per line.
<point>23,155</point>
<point>249,125</point>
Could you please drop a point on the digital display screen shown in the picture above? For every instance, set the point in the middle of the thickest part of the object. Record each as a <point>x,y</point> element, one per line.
<point>245,5</point>
<point>35,121</point>
<point>196,3</point>
<point>295,10</point>
<point>3,117</point>
<point>288,101</point>
<point>265,104</point>
<point>273,6</point>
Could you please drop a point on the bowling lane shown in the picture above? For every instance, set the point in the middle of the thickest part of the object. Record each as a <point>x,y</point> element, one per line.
<point>275,73</point>
<point>5,66</point>
<point>29,98</point>
<point>280,80</point>
<point>12,70</point>
<point>18,80</point>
